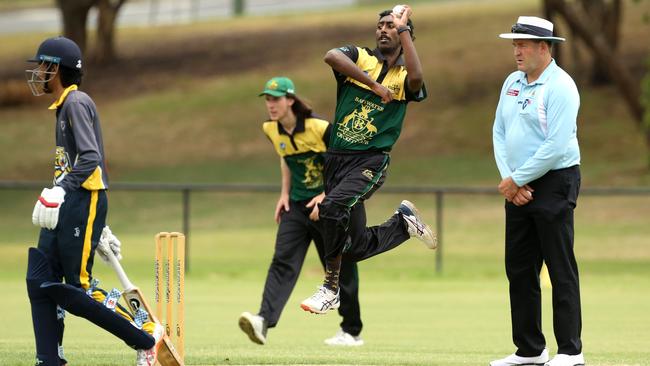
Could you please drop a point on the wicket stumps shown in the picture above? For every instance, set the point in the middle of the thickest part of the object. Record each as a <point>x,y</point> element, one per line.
<point>170,269</point>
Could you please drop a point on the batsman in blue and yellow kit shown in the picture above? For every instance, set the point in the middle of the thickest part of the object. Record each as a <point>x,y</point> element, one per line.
<point>72,216</point>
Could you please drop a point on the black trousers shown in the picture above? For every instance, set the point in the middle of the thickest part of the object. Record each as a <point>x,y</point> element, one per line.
<point>294,234</point>
<point>350,179</point>
<point>542,231</point>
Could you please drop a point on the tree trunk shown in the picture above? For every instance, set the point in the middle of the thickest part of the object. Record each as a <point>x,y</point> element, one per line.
<point>596,41</point>
<point>578,71</point>
<point>550,13</point>
<point>647,143</point>
<point>107,11</point>
<point>74,14</point>
<point>612,23</point>
<point>606,17</point>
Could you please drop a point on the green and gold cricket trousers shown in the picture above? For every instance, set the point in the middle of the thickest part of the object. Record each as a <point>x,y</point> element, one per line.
<point>294,235</point>
<point>350,179</point>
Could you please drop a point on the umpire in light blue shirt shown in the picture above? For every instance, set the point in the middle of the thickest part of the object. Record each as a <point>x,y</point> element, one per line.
<point>537,154</point>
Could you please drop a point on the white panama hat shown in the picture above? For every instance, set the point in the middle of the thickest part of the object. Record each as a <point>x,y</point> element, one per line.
<point>532,28</point>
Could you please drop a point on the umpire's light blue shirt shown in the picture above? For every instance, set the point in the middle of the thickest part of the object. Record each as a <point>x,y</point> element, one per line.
<point>535,125</point>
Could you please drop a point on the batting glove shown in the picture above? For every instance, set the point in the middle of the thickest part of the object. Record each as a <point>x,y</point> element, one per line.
<point>110,241</point>
<point>46,210</point>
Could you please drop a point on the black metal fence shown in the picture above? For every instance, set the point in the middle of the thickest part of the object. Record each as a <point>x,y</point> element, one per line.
<point>186,189</point>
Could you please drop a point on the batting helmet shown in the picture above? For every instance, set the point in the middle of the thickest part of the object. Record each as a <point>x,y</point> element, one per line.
<point>54,55</point>
<point>59,50</point>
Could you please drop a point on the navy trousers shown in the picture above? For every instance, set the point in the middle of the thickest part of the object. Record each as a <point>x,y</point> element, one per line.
<point>67,253</point>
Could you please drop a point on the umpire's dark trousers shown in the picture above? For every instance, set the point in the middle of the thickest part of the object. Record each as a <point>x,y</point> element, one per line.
<point>542,231</point>
<point>294,234</point>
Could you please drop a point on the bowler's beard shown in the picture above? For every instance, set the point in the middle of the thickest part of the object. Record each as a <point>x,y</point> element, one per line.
<point>386,50</point>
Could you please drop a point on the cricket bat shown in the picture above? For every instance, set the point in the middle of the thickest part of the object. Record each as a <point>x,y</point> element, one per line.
<point>167,355</point>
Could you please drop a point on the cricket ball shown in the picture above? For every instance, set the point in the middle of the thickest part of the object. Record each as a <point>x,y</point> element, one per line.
<point>398,9</point>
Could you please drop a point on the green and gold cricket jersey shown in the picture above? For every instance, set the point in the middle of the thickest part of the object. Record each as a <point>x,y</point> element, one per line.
<point>362,121</point>
<point>303,152</point>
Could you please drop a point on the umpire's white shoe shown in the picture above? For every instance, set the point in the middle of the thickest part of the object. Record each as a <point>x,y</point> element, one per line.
<point>343,338</point>
<point>147,357</point>
<point>416,227</point>
<point>323,300</point>
<point>254,326</point>
<point>514,360</point>
<point>566,360</point>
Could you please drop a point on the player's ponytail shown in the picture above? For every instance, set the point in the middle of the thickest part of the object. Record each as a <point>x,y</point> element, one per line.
<point>300,108</point>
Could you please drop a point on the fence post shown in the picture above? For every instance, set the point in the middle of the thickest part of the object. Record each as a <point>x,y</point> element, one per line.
<point>238,7</point>
<point>439,195</point>
<point>195,10</point>
<point>186,226</point>
<point>153,11</point>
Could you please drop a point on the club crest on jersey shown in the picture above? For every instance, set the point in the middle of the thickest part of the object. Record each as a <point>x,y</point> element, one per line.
<point>313,172</point>
<point>526,102</point>
<point>61,164</point>
<point>357,126</point>
<point>283,145</point>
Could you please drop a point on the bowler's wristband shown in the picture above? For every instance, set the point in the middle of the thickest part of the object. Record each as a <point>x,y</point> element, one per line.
<point>403,29</point>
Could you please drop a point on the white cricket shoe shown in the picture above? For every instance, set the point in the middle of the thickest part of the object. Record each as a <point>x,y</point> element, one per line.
<point>342,338</point>
<point>254,326</point>
<point>514,360</point>
<point>416,227</point>
<point>566,360</point>
<point>147,357</point>
<point>323,300</point>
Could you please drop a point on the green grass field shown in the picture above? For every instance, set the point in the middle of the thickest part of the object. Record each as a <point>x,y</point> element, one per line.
<point>412,315</point>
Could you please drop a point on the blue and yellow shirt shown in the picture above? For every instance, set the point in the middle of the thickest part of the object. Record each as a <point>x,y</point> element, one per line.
<point>79,158</point>
<point>535,127</point>
<point>302,150</point>
<point>362,121</point>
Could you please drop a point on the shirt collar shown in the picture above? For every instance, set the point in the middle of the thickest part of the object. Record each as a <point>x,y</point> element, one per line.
<point>64,95</point>
<point>300,127</point>
<point>380,56</point>
<point>543,78</point>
